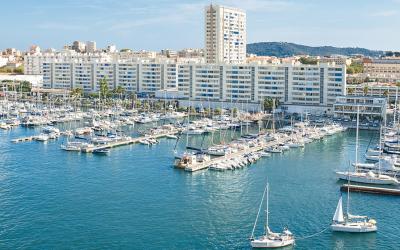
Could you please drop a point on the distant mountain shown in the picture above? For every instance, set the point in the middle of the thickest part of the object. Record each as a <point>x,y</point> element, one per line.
<point>282,49</point>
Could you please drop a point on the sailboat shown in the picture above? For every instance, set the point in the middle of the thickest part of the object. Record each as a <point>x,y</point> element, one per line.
<point>270,239</point>
<point>351,223</point>
<point>365,177</point>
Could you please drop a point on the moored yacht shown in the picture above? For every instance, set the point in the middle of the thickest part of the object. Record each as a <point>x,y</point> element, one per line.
<point>351,223</point>
<point>270,239</point>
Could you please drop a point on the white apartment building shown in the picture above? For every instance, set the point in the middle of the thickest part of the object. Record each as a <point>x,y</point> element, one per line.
<point>33,65</point>
<point>127,76</point>
<point>383,70</point>
<point>225,38</point>
<point>206,82</point>
<point>239,83</point>
<point>290,83</point>
<point>91,47</point>
<point>82,76</point>
<point>107,71</point>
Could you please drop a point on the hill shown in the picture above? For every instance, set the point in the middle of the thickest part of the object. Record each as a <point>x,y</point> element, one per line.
<point>282,49</point>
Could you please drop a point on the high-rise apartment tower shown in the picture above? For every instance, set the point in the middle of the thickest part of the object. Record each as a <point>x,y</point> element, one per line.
<point>225,38</point>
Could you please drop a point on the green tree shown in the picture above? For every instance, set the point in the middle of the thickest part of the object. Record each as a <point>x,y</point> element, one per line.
<point>307,60</point>
<point>104,88</point>
<point>235,112</point>
<point>19,70</point>
<point>119,91</point>
<point>350,91</point>
<point>386,93</point>
<point>146,106</point>
<point>355,68</point>
<point>138,103</point>
<point>269,104</point>
<point>158,105</point>
<point>217,111</point>
<point>25,86</point>
<point>76,93</point>
<point>365,90</point>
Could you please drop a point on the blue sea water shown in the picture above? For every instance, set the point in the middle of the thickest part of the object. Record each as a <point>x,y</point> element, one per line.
<point>134,199</point>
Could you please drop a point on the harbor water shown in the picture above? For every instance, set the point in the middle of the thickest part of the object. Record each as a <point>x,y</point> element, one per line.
<point>134,199</point>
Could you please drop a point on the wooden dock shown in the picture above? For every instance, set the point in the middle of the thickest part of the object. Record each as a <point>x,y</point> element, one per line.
<point>370,189</point>
<point>127,141</point>
<point>23,139</point>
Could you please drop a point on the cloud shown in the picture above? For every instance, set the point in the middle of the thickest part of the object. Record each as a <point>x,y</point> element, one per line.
<point>385,13</point>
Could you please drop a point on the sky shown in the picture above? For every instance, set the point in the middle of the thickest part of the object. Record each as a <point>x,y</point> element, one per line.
<point>160,24</point>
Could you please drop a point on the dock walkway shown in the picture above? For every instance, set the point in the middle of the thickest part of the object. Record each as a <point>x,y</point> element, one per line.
<point>204,165</point>
<point>370,189</point>
<point>128,141</point>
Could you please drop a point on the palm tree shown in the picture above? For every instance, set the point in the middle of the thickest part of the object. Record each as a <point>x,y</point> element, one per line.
<point>103,88</point>
<point>138,103</point>
<point>365,90</point>
<point>235,112</point>
<point>386,93</point>
<point>350,91</point>
<point>76,92</point>
<point>119,91</point>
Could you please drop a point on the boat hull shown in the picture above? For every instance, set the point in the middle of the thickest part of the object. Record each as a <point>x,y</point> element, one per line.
<point>266,243</point>
<point>364,179</point>
<point>354,228</point>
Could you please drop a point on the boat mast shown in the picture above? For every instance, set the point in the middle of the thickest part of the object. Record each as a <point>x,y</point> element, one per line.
<point>187,127</point>
<point>259,210</point>
<point>380,151</point>
<point>395,107</point>
<point>348,193</point>
<point>212,121</point>
<point>267,220</point>
<point>358,114</point>
<point>273,115</point>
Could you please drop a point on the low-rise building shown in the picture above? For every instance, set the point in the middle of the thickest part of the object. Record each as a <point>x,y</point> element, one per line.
<point>35,80</point>
<point>369,107</point>
<point>382,70</point>
<point>374,89</point>
<point>339,60</point>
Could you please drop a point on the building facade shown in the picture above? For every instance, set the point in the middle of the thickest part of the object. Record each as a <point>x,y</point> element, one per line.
<point>225,35</point>
<point>374,89</point>
<point>367,106</point>
<point>91,47</point>
<point>289,83</point>
<point>382,70</point>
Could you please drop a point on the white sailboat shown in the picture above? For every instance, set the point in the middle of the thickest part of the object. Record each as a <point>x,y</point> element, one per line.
<point>351,223</point>
<point>366,177</point>
<point>270,239</point>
